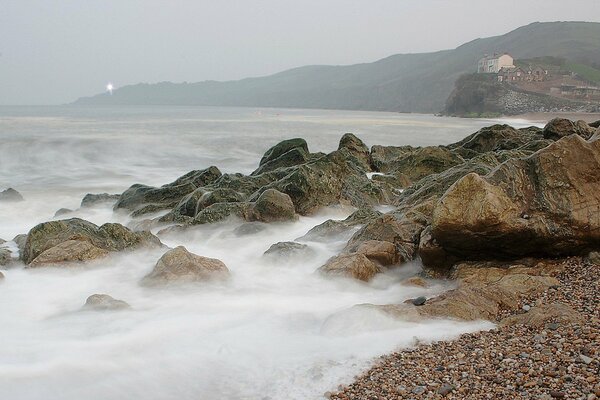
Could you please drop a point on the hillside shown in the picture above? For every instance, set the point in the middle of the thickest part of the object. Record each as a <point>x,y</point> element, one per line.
<point>402,82</point>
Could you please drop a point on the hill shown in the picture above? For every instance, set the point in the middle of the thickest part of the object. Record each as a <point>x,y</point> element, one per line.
<point>402,82</point>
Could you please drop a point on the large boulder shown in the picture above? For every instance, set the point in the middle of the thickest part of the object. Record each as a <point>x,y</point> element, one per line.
<point>561,127</point>
<point>179,266</point>
<point>10,195</point>
<point>272,205</point>
<point>67,252</point>
<point>358,152</point>
<point>542,205</point>
<point>283,147</point>
<point>294,156</point>
<point>108,237</point>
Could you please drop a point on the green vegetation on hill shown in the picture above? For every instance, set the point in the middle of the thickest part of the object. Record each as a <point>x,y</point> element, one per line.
<point>402,82</point>
<point>585,71</point>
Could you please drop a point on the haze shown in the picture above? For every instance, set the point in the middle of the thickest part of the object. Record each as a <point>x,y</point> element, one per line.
<point>55,52</point>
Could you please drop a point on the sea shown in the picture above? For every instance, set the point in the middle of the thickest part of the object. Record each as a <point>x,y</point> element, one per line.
<point>275,330</point>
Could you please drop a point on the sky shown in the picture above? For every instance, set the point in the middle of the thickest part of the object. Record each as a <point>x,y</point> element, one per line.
<point>52,52</point>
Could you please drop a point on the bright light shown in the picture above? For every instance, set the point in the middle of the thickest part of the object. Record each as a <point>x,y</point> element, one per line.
<point>109,88</point>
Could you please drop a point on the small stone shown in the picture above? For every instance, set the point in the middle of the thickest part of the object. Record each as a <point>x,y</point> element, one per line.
<point>445,389</point>
<point>556,394</point>
<point>552,326</point>
<point>526,307</point>
<point>585,359</point>
<point>419,301</point>
<point>418,390</point>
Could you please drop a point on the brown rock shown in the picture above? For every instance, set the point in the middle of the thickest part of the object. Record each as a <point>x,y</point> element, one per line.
<point>379,251</point>
<point>179,265</point>
<point>540,315</point>
<point>543,205</point>
<point>67,252</point>
<point>104,302</point>
<point>356,266</point>
<point>560,127</point>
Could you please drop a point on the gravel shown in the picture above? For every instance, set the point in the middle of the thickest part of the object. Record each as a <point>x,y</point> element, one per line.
<point>555,361</point>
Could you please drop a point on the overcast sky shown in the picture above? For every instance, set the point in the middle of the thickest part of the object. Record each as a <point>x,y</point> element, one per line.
<point>53,52</point>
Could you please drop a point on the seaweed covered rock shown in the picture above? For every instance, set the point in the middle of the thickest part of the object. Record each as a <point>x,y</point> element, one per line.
<point>496,138</point>
<point>272,205</point>
<point>357,151</point>
<point>64,233</point>
<point>167,196</point>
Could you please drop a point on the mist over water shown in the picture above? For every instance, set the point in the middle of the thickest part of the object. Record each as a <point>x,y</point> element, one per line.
<point>274,330</point>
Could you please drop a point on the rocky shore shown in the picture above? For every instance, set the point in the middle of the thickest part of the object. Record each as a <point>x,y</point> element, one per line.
<point>555,358</point>
<point>510,216</point>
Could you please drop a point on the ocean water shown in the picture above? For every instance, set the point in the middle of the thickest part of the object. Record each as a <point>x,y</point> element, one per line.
<point>275,330</point>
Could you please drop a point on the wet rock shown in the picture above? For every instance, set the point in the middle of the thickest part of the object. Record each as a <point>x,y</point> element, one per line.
<point>62,211</point>
<point>249,228</point>
<point>415,281</point>
<point>288,250</point>
<point>295,156</point>
<point>419,301</point>
<point>283,147</point>
<point>179,265</point>
<point>272,206</point>
<point>558,188</point>
<point>21,240</point>
<point>10,195</point>
<point>558,128</point>
<point>356,266</point>
<point>380,251</point>
<point>167,196</point>
<point>93,199</point>
<point>109,237</point>
<point>68,251</point>
<point>5,256</point>
<point>496,138</point>
<point>221,211</point>
<point>334,229</point>
<point>104,302</point>
<point>358,151</point>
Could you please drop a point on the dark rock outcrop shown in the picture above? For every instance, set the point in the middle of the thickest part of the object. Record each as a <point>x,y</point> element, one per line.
<point>561,127</point>
<point>92,199</point>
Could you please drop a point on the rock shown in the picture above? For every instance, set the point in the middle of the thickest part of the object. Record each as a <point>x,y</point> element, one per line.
<point>62,211</point>
<point>594,257</point>
<point>419,301</point>
<point>283,147</point>
<point>542,205</point>
<point>356,266</point>
<point>218,196</point>
<point>295,156</point>
<point>333,229</point>
<point>67,252</point>
<point>249,228</point>
<point>166,196</point>
<point>10,195</point>
<point>272,206</point>
<point>91,199</point>
<point>198,178</point>
<point>541,315</point>
<point>496,138</point>
<point>5,256</point>
<point>179,265</point>
<point>109,237</point>
<point>289,250</point>
<point>560,127</point>
<point>445,389</point>
<point>188,206</point>
<point>221,211</point>
<point>357,150</point>
<point>104,302</point>
<point>1,276</point>
<point>379,251</point>
<point>20,240</point>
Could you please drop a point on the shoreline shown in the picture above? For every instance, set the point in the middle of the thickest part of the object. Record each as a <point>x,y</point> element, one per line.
<point>555,359</point>
<point>540,117</point>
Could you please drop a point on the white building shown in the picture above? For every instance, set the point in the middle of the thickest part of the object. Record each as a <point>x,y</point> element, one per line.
<point>493,64</point>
